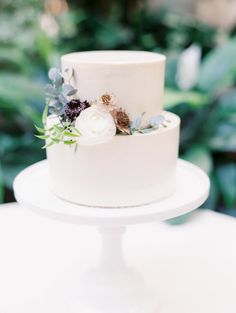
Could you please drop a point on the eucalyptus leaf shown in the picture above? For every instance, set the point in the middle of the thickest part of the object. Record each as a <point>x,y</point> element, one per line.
<point>68,90</point>
<point>62,99</point>
<point>55,103</point>
<point>56,77</point>
<point>56,110</point>
<point>59,82</point>
<point>146,130</point>
<point>54,74</point>
<point>136,124</point>
<point>156,121</point>
<point>50,90</point>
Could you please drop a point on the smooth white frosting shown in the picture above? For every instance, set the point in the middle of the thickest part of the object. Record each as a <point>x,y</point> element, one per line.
<point>136,78</point>
<point>126,171</point>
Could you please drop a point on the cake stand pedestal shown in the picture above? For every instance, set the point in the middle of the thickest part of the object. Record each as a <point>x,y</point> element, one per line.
<point>113,286</point>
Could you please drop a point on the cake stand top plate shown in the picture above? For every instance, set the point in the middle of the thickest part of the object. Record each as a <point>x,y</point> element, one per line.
<point>32,190</point>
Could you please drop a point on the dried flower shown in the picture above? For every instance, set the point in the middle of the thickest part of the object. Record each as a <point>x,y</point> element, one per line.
<point>121,120</point>
<point>108,102</point>
<point>74,107</point>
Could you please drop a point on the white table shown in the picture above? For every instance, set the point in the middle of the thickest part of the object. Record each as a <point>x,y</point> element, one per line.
<point>194,263</point>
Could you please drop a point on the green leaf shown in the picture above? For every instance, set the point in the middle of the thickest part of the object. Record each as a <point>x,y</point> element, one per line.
<point>51,143</point>
<point>195,99</point>
<point>69,142</point>
<point>13,57</point>
<point>1,185</point>
<point>18,93</point>
<point>58,127</point>
<point>171,68</point>
<point>74,129</point>
<point>55,140</point>
<point>42,136</point>
<point>66,133</point>
<point>226,177</point>
<point>224,137</point>
<point>199,156</point>
<point>45,113</point>
<point>212,200</point>
<point>44,46</point>
<point>39,129</point>
<point>218,67</point>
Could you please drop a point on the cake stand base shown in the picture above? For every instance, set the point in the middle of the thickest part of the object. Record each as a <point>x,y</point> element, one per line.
<point>113,286</point>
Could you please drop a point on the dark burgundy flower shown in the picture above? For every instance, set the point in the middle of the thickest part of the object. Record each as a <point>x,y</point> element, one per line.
<point>74,107</point>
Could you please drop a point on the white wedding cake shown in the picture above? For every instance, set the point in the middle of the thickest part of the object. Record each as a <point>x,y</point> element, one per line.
<point>109,142</point>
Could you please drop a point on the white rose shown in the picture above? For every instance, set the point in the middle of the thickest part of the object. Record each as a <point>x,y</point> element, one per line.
<point>95,126</point>
<point>188,67</point>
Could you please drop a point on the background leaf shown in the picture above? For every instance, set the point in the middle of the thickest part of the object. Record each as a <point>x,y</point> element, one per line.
<point>226,177</point>
<point>199,156</point>
<point>1,185</point>
<point>194,99</point>
<point>20,94</point>
<point>218,68</point>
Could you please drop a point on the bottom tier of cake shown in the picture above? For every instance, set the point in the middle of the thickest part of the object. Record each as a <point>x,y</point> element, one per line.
<point>127,171</point>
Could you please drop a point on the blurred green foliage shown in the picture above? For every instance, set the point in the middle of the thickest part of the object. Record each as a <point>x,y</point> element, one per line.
<point>208,110</point>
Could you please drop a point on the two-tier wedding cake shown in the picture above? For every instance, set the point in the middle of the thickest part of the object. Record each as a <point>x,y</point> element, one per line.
<point>109,143</point>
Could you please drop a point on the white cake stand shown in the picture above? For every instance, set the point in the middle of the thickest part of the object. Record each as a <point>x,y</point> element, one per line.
<point>113,287</point>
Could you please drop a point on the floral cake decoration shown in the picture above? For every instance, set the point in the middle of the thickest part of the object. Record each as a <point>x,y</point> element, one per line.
<point>86,122</point>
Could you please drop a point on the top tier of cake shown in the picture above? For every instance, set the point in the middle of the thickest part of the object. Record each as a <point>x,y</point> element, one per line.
<point>136,78</point>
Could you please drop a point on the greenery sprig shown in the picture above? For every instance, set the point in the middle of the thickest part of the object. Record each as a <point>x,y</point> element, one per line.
<point>57,97</point>
<point>153,124</point>
<point>57,133</point>
<point>61,104</point>
<point>58,92</point>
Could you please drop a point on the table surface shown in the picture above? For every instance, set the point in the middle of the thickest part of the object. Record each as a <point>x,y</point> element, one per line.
<point>193,264</point>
